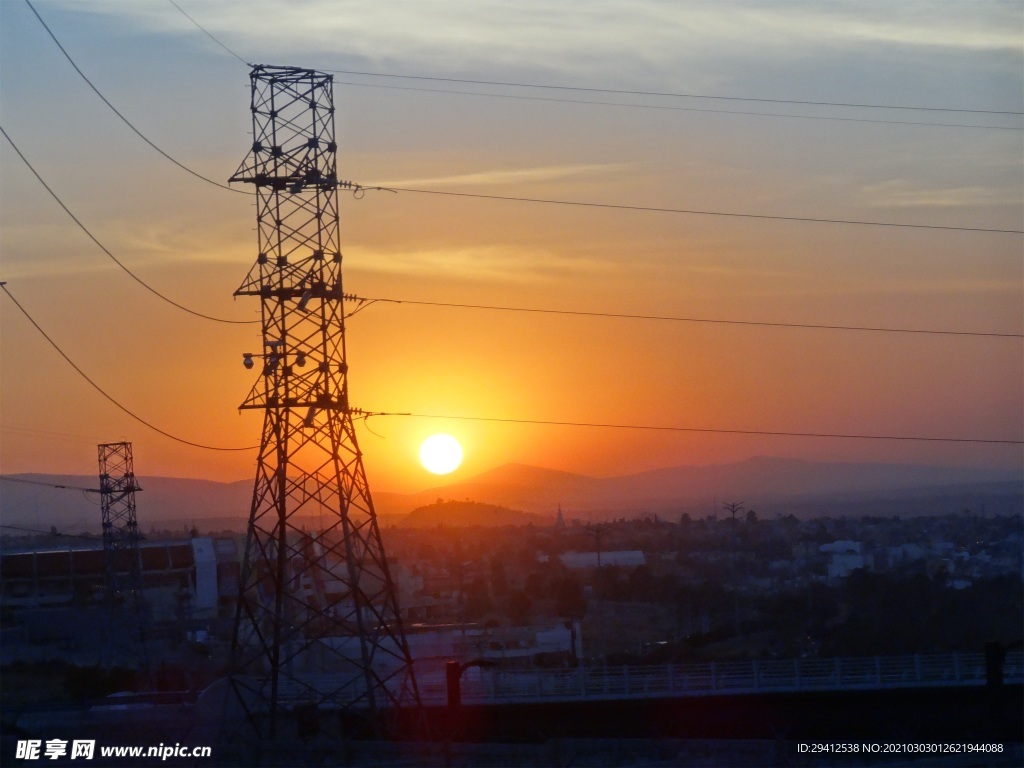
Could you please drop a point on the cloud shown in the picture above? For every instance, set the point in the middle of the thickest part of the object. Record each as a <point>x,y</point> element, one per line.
<point>600,36</point>
<point>942,25</point>
<point>511,176</point>
<point>902,193</point>
<point>487,263</point>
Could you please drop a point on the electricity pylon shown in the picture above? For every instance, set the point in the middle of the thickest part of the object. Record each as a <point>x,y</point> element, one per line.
<point>120,524</point>
<point>318,622</point>
<point>121,555</point>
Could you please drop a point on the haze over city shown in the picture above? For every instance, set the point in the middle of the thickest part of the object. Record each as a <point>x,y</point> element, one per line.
<point>939,65</point>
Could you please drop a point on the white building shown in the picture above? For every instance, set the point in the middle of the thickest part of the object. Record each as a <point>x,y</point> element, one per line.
<point>844,557</point>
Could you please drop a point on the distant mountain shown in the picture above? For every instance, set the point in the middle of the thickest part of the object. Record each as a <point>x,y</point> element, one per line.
<point>459,514</point>
<point>778,484</point>
<point>164,503</point>
<point>772,478</point>
<point>756,481</point>
<point>976,498</point>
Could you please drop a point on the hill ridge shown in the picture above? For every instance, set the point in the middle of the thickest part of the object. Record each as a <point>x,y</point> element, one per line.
<point>527,489</point>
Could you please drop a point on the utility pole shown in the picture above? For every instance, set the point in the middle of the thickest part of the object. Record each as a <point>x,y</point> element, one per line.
<point>733,509</point>
<point>598,531</point>
<point>340,648</point>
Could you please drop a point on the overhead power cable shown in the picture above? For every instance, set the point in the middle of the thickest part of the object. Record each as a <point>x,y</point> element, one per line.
<point>489,307</point>
<point>755,323</point>
<point>124,119</point>
<point>98,388</point>
<point>219,42</point>
<point>694,212</point>
<point>671,108</point>
<point>50,532</point>
<point>665,94</point>
<point>710,430</point>
<point>617,91</point>
<point>106,250</point>
<point>544,422</point>
<point>209,34</point>
<point>9,479</point>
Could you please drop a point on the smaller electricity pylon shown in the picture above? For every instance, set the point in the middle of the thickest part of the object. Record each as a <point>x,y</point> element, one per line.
<point>121,542</point>
<point>120,525</point>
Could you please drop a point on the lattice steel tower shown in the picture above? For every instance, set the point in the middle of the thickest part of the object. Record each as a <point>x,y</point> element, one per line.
<point>120,525</point>
<point>318,622</point>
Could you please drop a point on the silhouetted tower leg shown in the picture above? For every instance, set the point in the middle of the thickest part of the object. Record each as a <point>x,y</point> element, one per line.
<point>318,622</point>
<point>120,526</point>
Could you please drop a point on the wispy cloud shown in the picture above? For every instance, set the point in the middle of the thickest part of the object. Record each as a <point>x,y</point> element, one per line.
<point>942,25</point>
<point>599,36</point>
<point>901,193</point>
<point>507,176</point>
<point>488,263</point>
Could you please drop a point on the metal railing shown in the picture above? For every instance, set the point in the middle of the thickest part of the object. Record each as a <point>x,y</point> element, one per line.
<point>718,678</point>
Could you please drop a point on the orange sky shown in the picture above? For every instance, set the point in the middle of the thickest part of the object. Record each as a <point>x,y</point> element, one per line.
<point>196,243</point>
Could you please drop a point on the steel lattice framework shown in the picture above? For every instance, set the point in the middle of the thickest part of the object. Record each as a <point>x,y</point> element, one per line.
<point>120,525</point>
<point>318,622</point>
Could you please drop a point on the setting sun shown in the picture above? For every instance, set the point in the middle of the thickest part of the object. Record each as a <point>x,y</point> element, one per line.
<point>441,454</point>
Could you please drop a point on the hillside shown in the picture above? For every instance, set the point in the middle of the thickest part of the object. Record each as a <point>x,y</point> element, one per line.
<point>458,514</point>
<point>757,481</point>
<point>532,494</point>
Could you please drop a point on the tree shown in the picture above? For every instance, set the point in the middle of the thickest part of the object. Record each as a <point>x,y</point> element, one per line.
<point>499,579</point>
<point>535,586</point>
<point>519,607</point>
<point>569,600</point>
<point>478,602</point>
<point>641,585</point>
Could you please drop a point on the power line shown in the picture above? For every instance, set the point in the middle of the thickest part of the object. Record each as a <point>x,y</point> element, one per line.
<point>491,307</point>
<point>209,34</point>
<point>9,479</point>
<point>667,107</point>
<point>219,42</point>
<point>474,306</point>
<point>755,323</point>
<point>663,94</point>
<point>627,92</point>
<point>106,250</point>
<point>124,119</point>
<point>99,389</point>
<point>710,430</point>
<point>544,422</point>
<point>358,190</point>
<point>693,212</point>
<point>53,532</point>
<point>654,93</point>
<point>79,488</point>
